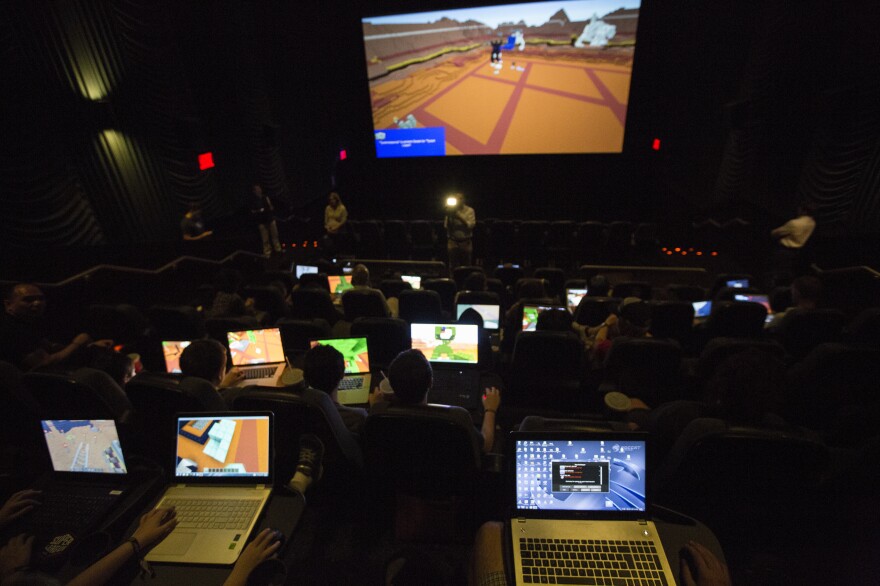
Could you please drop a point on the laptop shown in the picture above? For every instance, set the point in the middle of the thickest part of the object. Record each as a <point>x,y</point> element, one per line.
<point>702,309</point>
<point>582,497</point>
<point>339,284</point>
<point>415,281</point>
<point>354,388</point>
<point>738,283</point>
<point>491,313</point>
<point>453,351</point>
<point>303,269</point>
<point>172,349</point>
<point>531,313</point>
<point>259,354</point>
<point>573,298</point>
<point>222,480</point>
<point>89,476</point>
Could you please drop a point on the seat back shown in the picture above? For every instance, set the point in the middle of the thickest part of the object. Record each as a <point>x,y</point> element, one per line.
<point>533,383</point>
<point>392,287</point>
<point>801,330</point>
<point>420,306</point>
<point>459,274</point>
<point>268,299</point>
<point>363,302</point>
<point>554,279</point>
<point>638,289</point>
<point>672,319</point>
<point>309,411</point>
<point>509,275</point>
<point>591,311</point>
<point>177,322</point>
<point>736,319</point>
<point>645,368</point>
<point>478,298</point>
<point>423,239</point>
<point>311,303</point>
<point>446,289</point>
<point>386,337</point>
<point>397,239</point>
<point>297,333</point>
<point>218,326</point>
<point>82,394</point>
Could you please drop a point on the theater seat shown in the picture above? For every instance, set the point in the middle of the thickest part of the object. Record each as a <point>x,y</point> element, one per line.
<point>644,368</point>
<point>421,306</point>
<point>364,303</point>
<point>597,424</point>
<point>801,330</point>
<point>735,319</point>
<point>546,371</point>
<point>85,393</point>
<point>386,337</point>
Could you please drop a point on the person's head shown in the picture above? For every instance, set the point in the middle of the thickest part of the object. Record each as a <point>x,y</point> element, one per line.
<point>532,289</point>
<point>119,366</point>
<point>323,368</point>
<point>25,301</point>
<point>410,376</point>
<point>257,190</point>
<point>204,359</point>
<point>598,286</point>
<point>780,299</point>
<point>806,292</point>
<point>333,200</point>
<point>360,276</point>
<point>556,319</point>
<point>745,386</point>
<point>227,280</point>
<point>476,281</point>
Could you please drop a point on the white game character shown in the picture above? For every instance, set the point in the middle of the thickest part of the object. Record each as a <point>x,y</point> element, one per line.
<point>597,33</point>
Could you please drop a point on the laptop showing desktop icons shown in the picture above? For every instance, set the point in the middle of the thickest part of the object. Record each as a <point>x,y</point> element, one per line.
<point>354,388</point>
<point>702,309</point>
<point>339,284</point>
<point>582,497</point>
<point>222,480</point>
<point>491,313</point>
<point>573,298</point>
<point>172,349</point>
<point>454,353</point>
<point>259,354</point>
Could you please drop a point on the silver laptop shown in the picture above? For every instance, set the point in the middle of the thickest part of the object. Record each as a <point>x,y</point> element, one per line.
<point>223,475</point>
<point>580,510</point>
<point>454,353</point>
<point>354,388</point>
<point>259,354</point>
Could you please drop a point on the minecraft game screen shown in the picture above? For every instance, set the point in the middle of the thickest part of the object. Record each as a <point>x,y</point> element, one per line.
<point>255,346</point>
<point>84,445</point>
<point>235,446</point>
<point>457,343</point>
<point>172,349</point>
<point>534,78</point>
<point>355,353</point>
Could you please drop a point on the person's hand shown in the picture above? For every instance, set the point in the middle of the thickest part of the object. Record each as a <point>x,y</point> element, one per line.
<point>264,546</point>
<point>232,378</point>
<point>155,526</point>
<point>105,343</point>
<point>16,554</point>
<point>376,396</point>
<point>82,339</point>
<point>491,399</point>
<point>700,567</point>
<point>21,503</point>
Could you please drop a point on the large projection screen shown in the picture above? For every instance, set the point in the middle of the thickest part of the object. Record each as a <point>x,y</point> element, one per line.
<point>534,78</point>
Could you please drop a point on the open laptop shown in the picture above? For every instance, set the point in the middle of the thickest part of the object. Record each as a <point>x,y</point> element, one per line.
<point>453,351</point>
<point>354,388</point>
<point>415,281</point>
<point>737,283</point>
<point>491,313</point>
<point>582,497</point>
<point>339,284</point>
<point>222,480</point>
<point>172,349</point>
<point>89,476</point>
<point>259,354</point>
<point>531,313</point>
<point>573,298</point>
<point>702,310</point>
<point>303,269</point>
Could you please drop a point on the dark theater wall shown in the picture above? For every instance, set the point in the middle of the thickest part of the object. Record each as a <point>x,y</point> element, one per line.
<point>758,105</point>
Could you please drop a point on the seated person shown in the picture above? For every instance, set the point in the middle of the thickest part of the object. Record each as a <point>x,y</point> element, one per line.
<point>806,293</point>
<point>599,286</point>
<point>24,333</point>
<point>410,376</point>
<point>360,279</point>
<point>206,359</point>
<point>323,369</point>
<point>227,301</point>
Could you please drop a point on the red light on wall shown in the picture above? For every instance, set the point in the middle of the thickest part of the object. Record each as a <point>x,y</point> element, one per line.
<point>343,154</point>
<point>206,160</point>
<point>656,144</point>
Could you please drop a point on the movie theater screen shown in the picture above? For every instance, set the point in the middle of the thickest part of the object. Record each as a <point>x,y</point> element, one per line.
<point>534,78</point>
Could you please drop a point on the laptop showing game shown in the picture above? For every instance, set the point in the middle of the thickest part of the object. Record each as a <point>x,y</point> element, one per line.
<point>414,281</point>
<point>339,284</point>
<point>491,314</point>
<point>583,493</point>
<point>531,313</point>
<point>89,475</point>
<point>223,477</point>
<point>453,351</point>
<point>737,283</point>
<point>259,354</point>
<point>172,349</point>
<point>573,298</point>
<point>355,385</point>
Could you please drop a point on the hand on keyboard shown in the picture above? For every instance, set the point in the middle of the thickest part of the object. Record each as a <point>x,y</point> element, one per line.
<point>155,526</point>
<point>21,503</point>
<point>232,378</point>
<point>264,546</point>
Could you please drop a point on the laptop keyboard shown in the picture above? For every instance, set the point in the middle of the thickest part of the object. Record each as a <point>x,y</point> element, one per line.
<point>351,382</point>
<point>590,561</point>
<point>214,513</point>
<point>264,372</point>
<point>70,509</point>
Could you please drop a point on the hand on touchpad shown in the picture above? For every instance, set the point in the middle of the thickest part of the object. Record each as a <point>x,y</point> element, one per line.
<point>178,543</point>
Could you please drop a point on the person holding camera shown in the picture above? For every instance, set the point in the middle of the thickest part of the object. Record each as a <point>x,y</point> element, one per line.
<point>459,223</point>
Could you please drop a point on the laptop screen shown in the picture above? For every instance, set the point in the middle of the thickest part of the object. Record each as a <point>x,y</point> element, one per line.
<point>303,269</point>
<point>490,313</point>
<point>339,284</point>
<point>573,298</point>
<point>738,283</point>
<point>447,343</point>
<point>223,447</point>
<point>702,309</point>
<point>762,299</point>
<point>414,281</point>
<point>172,349</point>
<point>580,475</point>
<point>84,445</point>
<point>354,351</point>
<point>255,346</point>
<point>530,316</point>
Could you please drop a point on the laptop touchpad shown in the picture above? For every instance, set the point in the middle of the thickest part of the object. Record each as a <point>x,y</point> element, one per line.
<point>178,543</point>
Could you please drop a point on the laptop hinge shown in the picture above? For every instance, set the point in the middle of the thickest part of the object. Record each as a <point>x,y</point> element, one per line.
<point>260,487</point>
<point>520,519</point>
<point>643,521</point>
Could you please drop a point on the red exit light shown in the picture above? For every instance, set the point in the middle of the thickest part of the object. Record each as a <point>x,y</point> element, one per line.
<point>206,161</point>
<point>343,154</point>
<point>656,144</point>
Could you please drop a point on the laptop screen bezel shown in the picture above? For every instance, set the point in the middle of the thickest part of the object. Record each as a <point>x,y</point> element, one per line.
<point>612,515</point>
<point>227,480</point>
<point>86,476</point>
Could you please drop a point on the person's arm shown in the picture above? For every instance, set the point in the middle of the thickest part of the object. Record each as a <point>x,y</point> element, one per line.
<point>260,549</point>
<point>15,555</point>
<point>782,231</point>
<point>343,217</point>
<point>204,234</point>
<point>700,567</point>
<point>232,378</point>
<point>491,402</point>
<point>154,526</point>
<point>467,216</point>
<point>327,225</point>
<point>43,358</point>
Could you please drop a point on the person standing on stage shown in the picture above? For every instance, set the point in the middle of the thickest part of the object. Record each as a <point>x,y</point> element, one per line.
<point>263,213</point>
<point>459,223</point>
<point>335,217</point>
